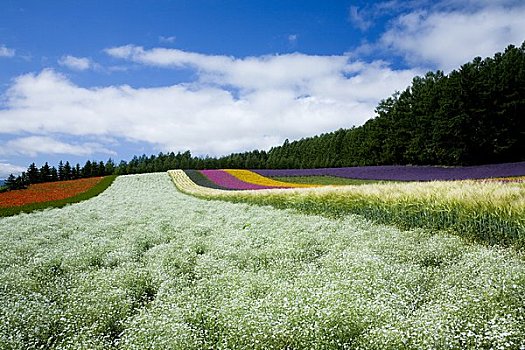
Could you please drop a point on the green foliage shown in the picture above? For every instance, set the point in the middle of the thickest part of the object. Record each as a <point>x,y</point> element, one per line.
<point>92,192</point>
<point>474,115</point>
<point>16,183</point>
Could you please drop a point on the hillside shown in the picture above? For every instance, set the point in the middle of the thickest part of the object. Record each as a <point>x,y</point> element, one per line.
<point>144,266</point>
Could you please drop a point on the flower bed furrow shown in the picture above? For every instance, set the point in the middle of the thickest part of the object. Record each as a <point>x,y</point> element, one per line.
<point>201,180</point>
<point>226,180</point>
<point>257,179</point>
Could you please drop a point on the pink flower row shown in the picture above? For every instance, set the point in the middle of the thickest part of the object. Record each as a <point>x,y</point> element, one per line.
<point>223,179</point>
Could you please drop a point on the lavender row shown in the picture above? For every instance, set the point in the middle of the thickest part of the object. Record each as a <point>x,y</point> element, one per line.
<point>225,180</point>
<point>408,173</point>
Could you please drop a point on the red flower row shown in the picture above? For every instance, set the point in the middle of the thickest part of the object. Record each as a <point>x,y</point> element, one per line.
<point>46,192</point>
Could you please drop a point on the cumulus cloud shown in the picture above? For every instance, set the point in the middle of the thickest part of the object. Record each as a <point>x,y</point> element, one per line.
<point>7,169</point>
<point>34,145</point>
<point>76,63</point>
<point>6,52</point>
<point>452,35</point>
<point>236,103</point>
<point>298,72</point>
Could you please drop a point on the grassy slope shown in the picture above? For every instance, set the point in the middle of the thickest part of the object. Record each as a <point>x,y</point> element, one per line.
<point>92,192</point>
<point>144,267</point>
<point>492,213</point>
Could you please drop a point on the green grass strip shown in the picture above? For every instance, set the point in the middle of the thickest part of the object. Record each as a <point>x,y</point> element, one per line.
<point>92,192</point>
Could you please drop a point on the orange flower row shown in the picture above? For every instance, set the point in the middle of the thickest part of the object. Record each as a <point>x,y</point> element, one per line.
<point>46,192</point>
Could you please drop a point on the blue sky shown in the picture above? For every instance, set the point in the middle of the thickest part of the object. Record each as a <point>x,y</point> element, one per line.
<point>97,79</point>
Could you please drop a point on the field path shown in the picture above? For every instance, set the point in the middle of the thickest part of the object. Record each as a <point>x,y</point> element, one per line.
<point>144,266</point>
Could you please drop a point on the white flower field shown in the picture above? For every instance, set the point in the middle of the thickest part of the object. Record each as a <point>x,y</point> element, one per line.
<point>143,266</point>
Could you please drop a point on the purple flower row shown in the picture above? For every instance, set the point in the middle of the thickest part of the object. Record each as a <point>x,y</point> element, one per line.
<point>224,179</point>
<point>408,173</point>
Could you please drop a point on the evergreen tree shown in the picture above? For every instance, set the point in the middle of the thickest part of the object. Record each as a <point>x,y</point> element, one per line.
<point>101,169</point>
<point>33,174</point>
<point>45,173</point>
<point>61,172</point>
<point>16,182</point>
<point>78,172</point>
<point>87,169</point>
<point>67,171</point>
<point>53,174</point>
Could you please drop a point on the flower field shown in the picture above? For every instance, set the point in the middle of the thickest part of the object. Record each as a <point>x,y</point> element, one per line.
<point>236,179</point>
<point>254,178</point>
<point>408,173</point>
<point>52,195</point>
<point>242,179</point>
<point>47,192</point>
<point>491,212</point>
<point>143,266</point>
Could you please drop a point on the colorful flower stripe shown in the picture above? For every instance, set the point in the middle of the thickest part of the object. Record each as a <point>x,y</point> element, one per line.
<point>408,173</point>
<point>223,179</point>
<point>201,180</point>
<point>46,192</point>
<point>254,178</point>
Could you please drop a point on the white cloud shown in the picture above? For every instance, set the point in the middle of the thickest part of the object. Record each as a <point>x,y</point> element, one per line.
<point>448,38</point>
<point>167,39</point>
<point>7,169</point>
<point>358,19</point>
<point>34,145</point>
<point>296,71</point>
<point>76,63</point>
<point>276,97</point>
<point>6,52</point>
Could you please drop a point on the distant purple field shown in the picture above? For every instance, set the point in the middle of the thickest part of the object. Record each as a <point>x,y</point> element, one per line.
<point>408,173</point>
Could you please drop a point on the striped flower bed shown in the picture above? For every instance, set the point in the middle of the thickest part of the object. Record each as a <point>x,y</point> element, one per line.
<point>254,178</point>
<point>235,179</point>
<point>228,181</point>
<point>201,180</point>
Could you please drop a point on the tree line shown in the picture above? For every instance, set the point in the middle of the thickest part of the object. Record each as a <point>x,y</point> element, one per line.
<point>474,115</point>
<point>65,171</point>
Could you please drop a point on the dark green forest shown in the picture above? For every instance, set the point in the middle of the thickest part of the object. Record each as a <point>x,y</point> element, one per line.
<point>474,115</point>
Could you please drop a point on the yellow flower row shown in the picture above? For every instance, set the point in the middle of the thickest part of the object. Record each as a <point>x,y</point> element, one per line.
<point>254,178</point>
